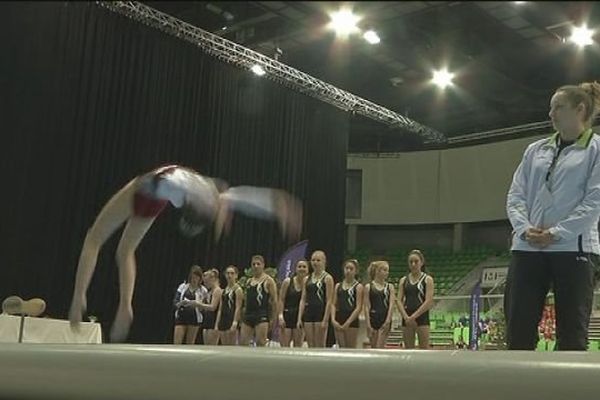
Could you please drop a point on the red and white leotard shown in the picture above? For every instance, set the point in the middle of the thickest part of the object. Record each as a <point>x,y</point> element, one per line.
<point>176,185</point>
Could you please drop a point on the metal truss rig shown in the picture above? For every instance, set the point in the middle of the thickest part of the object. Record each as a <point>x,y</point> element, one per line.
<point>240,56</point>
<point>498,133</point>
<point>542,127</point>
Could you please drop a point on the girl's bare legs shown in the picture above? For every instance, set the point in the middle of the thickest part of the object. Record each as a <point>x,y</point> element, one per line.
<point>320,337</point>
<point>211,337</point>
<point>191,333</point>
<point>133,234</point>
<point>309,329</point>
<point>246,334</point>
<point>351,336</point>
<point>111,217</point>
<point>228,337</point>
<point>408,335</point>
<point>374,339</point>
<point>178,334</point>
<point>423,334</point>
<point>285,337</point>
<point>298,337</point>
<point>262,331</point>
<point>384,333</point>
<point>340,338</point>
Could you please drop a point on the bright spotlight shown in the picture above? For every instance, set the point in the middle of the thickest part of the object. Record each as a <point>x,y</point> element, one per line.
<point>372,37</point>
<point>582,36</point>
<point>442,78</point>
<point>344,22</point>
<point>258,70</point>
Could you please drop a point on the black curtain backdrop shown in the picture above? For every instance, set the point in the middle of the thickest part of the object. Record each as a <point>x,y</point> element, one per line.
<point>91,99</point>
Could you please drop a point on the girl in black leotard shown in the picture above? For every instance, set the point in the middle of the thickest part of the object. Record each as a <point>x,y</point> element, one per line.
<point>379,299</point>
<point>261,299</point>
<point>289,306</point>
<point>347,304</point>
<point>230,309</point>
<point>209,309</point>
<point>415,299</point>
<point>315,304</point>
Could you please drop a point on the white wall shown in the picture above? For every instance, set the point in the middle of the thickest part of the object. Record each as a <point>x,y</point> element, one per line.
<point>466,184</point>
<point>383,238</point>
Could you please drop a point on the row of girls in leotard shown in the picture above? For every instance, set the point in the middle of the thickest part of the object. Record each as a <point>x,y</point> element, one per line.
<point>305,305</point>
<point>310,300</point>
<point>201,302</point>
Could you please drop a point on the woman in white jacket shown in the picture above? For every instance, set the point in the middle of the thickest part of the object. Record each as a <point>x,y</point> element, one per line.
<point>554,205</point>
<point>187,317</point>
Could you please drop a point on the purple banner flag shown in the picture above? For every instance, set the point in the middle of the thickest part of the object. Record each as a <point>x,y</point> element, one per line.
<point>474,319</point>
<point>287,262</point>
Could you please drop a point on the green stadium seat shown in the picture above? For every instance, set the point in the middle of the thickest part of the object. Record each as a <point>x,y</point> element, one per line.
<point>466,336</point>
<point>541,345</point>
<point>456,335</point>
<point>448,318</point>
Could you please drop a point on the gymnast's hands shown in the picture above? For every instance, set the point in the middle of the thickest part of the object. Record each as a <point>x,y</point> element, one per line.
<point>411,321</point>
<point>539,238</point>
<point>78,308</point>
<point>185,303</point>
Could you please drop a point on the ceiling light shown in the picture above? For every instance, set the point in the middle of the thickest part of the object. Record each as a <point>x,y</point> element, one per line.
<point>582,36</point>
<point>344,22</point>
<point>371,37</point>
<point>442,78</point>
<point>258,70</point>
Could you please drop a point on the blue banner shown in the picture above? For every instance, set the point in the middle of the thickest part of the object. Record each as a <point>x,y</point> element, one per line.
<point>474,317</point>
<point>286,265</point>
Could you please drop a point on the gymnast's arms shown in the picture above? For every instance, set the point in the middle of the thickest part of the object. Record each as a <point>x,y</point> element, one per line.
<point>262,203</point>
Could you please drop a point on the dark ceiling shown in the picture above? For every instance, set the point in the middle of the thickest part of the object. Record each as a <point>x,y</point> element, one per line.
<point>508,57</point>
